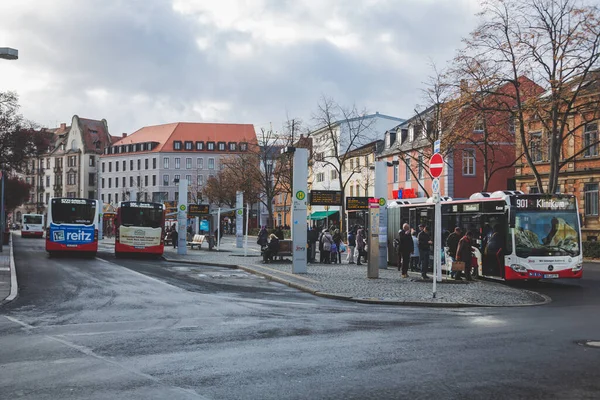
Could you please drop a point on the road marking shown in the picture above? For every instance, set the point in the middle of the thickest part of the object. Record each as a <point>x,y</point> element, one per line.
<point>16,321</point>
<point>139,273</point>
<point>287,273</point>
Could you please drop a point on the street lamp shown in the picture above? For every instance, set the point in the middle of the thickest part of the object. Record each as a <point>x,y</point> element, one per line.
<point>9,54</point>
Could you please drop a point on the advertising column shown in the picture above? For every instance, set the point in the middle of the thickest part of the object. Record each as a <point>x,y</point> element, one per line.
<point>381,195</point>
<point>373,264</point>
<point>299,192</point>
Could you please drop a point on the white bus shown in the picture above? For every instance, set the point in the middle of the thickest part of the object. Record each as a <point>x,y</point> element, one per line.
<point>33,225</point>
<point>72,225</point>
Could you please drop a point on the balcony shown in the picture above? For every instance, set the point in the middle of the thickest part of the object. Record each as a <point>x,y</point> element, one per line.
<point>57,170</point>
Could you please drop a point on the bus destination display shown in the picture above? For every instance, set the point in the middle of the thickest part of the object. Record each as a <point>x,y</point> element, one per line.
<point>545,203</point>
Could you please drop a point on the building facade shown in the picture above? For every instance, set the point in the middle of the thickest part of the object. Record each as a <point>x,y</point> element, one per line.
<point>146,165</point>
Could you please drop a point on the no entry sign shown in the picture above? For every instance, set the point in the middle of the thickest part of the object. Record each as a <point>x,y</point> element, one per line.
<point>436,165</point>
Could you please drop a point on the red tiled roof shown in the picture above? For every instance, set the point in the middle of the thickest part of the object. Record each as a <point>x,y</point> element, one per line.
<point>94,131</point>
<point>166,134</point>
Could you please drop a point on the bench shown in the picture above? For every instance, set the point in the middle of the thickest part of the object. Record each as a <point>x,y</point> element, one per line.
<point>285,249</point>
<point>197,241</point>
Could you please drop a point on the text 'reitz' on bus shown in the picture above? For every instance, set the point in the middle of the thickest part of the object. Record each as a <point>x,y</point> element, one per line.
<point>72,226</point>
<point>139,228</point>
<point>33,225</point>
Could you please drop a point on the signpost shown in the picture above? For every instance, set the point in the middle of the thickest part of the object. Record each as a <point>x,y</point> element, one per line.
<point>373,261</point>
<point>182,217</point>
<point>436,167</point>
<point>239,219</point>
<point>299,204</point>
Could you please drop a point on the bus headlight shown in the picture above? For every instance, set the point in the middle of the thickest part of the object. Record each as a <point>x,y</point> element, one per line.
<point>578,267</point>
<point>519,268</point>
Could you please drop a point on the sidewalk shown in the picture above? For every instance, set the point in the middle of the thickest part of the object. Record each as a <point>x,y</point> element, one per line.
<point>350,282</point>
<point>8,277</point>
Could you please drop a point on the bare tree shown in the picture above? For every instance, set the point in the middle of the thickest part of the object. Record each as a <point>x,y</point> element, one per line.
<point>555,43</point>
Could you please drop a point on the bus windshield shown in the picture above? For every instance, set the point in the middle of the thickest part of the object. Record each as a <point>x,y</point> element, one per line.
<point>546,233</point>
<point>73,213</point>
<point>142,217</point>
<point>32,219</point>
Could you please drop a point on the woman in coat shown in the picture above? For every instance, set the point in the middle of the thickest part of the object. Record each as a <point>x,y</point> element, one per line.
<point>327,241</point>
<point>272,249</point>
<point>464,253</point>
<point>337,255</point>
<point>360,246</point>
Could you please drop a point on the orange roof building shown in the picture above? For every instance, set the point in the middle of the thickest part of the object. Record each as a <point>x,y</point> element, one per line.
<point>146,164</point>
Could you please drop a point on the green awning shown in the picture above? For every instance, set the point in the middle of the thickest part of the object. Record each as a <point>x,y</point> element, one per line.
<point>317,215</point>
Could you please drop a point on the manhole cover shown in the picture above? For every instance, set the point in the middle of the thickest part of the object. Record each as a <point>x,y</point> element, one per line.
<point>590,343</point>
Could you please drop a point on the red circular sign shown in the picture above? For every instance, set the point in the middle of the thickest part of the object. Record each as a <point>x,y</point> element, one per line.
<point>436,165</point>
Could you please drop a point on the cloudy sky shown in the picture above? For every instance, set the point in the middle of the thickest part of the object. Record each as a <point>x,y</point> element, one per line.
<point>145,62</point>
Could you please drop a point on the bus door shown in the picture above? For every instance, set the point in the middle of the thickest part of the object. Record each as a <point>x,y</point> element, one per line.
<point>494,229</point>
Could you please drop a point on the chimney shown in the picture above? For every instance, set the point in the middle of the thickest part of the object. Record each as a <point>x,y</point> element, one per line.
<point>124,135</point>
<point>63,125</point>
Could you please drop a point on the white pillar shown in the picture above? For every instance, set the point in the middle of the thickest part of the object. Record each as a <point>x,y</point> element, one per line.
<point>247,219</point>
<point>381,195</point>
<point>239,219</point>
<point>299,199</point>
<point>373,262</point>
<point>182,217</point>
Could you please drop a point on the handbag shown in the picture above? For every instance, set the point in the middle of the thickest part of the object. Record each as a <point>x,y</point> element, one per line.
<point>458,266</point>
<point>342,248</point>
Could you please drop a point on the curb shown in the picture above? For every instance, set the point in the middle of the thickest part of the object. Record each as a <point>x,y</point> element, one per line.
<point>14,288</point>
<point>334,296</point>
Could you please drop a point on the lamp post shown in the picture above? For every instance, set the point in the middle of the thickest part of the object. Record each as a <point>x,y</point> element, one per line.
<point>6,53</point>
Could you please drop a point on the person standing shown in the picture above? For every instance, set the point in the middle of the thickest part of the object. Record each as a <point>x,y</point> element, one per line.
<point>351,246</point>
<point>337,240</point>
<point>327,241</point>
<point>424,250</point>
<point>405,248</point>
<point>174,235</point>
<point>262,237</point>
<point>360,246</point>
<point>414,256</point>
<point>464,253</point>
<point>452,243</point>
<point>311,238</point>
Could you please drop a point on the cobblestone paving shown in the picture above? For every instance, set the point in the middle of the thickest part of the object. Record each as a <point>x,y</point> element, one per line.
<point>350,281</point>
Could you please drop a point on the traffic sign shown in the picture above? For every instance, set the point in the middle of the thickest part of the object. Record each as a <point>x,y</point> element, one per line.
<point>436,165</point>
<point>435,185</point>
<point>436,146</point>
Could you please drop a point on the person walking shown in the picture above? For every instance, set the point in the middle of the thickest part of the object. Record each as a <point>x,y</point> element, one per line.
<point>424,249</point>
<point>360,246</point>
<point>174,235</point>
<point>337,240</point>
<point>452,244</point>
<point>464,253</point>
<point>351,246</point>
<point>405,248</point>
<point>414,256</point>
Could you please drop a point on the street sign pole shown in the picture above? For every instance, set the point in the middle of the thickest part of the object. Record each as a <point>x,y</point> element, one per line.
<point>239,219</point>
<point>436,167</point>
<point>246,240</point>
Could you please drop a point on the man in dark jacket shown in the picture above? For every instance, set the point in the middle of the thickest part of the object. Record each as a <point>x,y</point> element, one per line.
<point>452,243</point>
<point>424,243</point>
<point>464,253</point>
<point>405,247</point>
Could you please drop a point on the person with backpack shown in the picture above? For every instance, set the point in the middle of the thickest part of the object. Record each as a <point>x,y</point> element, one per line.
<point>351,246</point>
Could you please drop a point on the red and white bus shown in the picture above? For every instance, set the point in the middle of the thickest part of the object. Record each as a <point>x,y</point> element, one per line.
<point>139,228</point>
<point>72,226</point>
<point>33,225</point>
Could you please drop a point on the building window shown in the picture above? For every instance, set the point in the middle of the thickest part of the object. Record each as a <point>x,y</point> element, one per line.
<point>188,163</point>
<point>139,181</point>
<point>232,147</point>
<point>351,190</point>
<point>72,178</point>
<point>511,124</point>
<point>333,174</point>
<point>91,178</point>
<point>200,180</point>
<point>139,164</point>
<point>188,178</point>
<point>102,183</point>
<point>177,162</point>
<point>199,146</point>
<point>146,180</point>
<point>131,181</point>
<point>479,126</point>
<point>166,162</point>
<point>154,163</point>
<point>109,198</point>
<point>407,174</point>
<point>116,197</point>
<point>146,163</point>
<point>109,183</point>
<point>116,182</point>
<point>124,165</point>
<point>411,133</point>
<point>131,165</point>
<point>189,145</point>
<point>176,178</point>
<point>590,140</point>
<point>116,166</point>
<point>468,162</point>
<point>177,145</point>
<point>591,198</point>
<point>200,163</point>
<point>243,146</point>
<point>165,180</point>
<point>124,181</point>
<point>320,177</point>
<point>221,146</point>
<point>48,181</point>
<point>102,197</point>
<point>153,180</point>
<point>210,146</point>
<point>211,163</point>
<point>109,166</point>
<point>396,167</point>
<point>421,167</point>
<point>92,162</point>
<point>103,165</point>
<point>143,146</point>
<point>535,146</point>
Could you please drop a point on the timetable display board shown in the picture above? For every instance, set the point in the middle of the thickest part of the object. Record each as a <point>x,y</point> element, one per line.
<point>326,198</point>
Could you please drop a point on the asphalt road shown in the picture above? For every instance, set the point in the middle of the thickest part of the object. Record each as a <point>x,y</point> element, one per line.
<point>146,329</point>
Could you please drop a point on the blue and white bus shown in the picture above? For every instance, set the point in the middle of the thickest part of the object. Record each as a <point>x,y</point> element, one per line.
<point>72,226</point>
